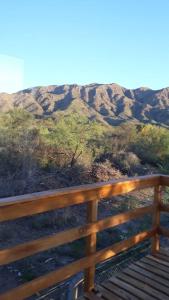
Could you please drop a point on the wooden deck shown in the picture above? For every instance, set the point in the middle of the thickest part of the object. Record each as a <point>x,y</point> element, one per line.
<point>147,278</point>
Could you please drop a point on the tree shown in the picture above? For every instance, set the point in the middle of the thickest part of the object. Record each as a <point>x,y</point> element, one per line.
<point>152,144</point>
<point>72,138</point>
<point>19,138</point>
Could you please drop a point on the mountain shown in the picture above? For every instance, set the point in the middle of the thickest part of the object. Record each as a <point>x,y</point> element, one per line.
<point>109,103</point>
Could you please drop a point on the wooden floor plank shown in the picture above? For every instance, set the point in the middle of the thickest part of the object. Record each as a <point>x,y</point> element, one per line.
<point>159,260</point>
<point>92,296</point>
<point>131,289</point>
<point>149,278</point>
<point>164,251</point>
<point>162,256</point>
<point>155,264</point>
<point>153,269</point>
<point>106,294</point>
<point>146,279</point>
<point>114,289</point>
<point>142,284</point>
<point>148,273</point>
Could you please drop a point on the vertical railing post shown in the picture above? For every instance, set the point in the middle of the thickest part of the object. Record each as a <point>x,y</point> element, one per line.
<point>156,219</point>
<point>89,275</point>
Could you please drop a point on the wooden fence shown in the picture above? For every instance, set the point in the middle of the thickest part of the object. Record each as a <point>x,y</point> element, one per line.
<point>31,204</point>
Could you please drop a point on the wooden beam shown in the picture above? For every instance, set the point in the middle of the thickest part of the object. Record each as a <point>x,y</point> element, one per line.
<point>30,248</point>
<point>164,179</point>
<point>46,281</point>
<point>91,243</point>
<point>156,218</point>
<point>26,205</point>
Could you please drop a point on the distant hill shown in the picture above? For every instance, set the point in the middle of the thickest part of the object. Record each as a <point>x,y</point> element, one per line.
<point>109,103</point>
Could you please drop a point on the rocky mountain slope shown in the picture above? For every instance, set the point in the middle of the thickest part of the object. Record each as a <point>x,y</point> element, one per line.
<point>109,103</point>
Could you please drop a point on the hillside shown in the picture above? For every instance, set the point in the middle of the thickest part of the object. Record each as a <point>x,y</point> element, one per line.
<point>109,103</point>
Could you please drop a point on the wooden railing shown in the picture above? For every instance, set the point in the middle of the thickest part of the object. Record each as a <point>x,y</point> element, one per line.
<point>31,204</point>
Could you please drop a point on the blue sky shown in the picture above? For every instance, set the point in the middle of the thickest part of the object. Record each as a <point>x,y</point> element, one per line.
<point>85,41</point>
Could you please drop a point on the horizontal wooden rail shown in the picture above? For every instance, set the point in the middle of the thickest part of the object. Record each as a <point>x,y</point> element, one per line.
<point>31,204</point>
<point>43,282</point>
<point>164,180</point>
<point>21,251</point>
<point>26,205</point>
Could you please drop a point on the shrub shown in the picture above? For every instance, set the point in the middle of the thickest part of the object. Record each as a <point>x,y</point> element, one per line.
<point>152,144</point>
<point>126,162</point>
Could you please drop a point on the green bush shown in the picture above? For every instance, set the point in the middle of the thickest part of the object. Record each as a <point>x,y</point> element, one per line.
<point>152,144</point>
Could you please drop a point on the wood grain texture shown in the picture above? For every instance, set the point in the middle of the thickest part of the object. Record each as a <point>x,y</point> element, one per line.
<point>135,282</point>
<point>43,282</point>
<point>116,290</point>
<point>149,281</point>
<point>26,205</point>
<point>29,248</point>
<point>149,274</point>
<point>107,294</point>
<point>164,180</point>
<point>91,241</point>
<point>156,218</point>
<point>131,289</point>
<point>142,285</point>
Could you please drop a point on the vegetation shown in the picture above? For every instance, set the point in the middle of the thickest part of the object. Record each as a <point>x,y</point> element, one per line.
<point>37,154</point>
<point>152,144</point>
